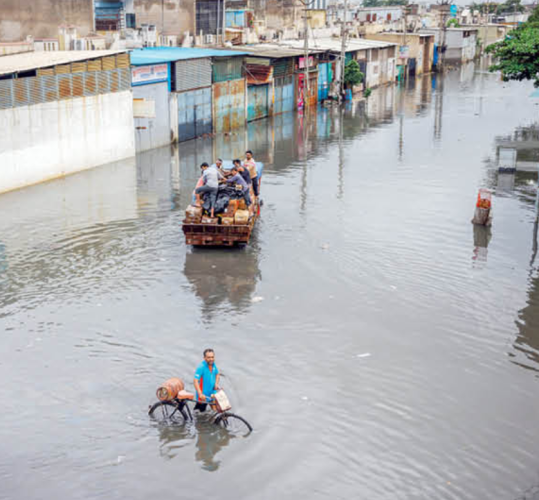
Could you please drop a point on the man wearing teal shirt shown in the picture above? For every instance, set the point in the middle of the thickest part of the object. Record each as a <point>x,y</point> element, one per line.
<point>206,379</point>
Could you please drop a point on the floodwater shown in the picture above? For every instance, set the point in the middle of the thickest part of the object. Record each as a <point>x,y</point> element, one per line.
<point>381,346</point>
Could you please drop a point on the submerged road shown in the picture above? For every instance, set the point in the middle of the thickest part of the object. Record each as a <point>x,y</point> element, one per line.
<point>381,347</point>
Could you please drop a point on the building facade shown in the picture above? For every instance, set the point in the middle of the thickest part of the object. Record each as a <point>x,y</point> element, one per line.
<point>460,43</point>
<point>418,56</point>
<point>41,18</point>
<point>62,112</point>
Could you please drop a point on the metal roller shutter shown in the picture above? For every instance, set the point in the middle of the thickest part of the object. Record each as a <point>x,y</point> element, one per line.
<point>192,74</point>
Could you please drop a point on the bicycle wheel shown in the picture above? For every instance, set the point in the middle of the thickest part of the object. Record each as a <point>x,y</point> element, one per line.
<point>167,412</point>
<point>233,423</point>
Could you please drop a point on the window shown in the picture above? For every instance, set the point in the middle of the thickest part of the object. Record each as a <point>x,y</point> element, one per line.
<point>368,18</point>
<point>374,55</point>
<point>389,16</point>
<point>130,21</point>
<point>391,52</point>
<point>374,17</point>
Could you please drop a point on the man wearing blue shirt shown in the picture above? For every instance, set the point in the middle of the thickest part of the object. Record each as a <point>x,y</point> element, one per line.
<point>206,379</point>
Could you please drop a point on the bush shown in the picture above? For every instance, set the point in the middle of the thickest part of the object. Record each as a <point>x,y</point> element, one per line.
<point>352,74</point>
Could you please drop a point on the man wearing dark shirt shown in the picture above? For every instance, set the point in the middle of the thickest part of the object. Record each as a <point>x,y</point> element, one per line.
<point>244,171</point>
<point>237,180</point>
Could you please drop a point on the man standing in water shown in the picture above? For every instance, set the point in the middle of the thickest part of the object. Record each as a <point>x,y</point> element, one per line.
<point>206,379</point>
<point>250,163</point>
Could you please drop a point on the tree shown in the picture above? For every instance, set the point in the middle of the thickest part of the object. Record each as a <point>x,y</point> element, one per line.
<point>518,55</point>
<point>352,74</point>
<point>510,6</point>
<point>453,23</point>
<point>483,7</point>
<point>372,3</point>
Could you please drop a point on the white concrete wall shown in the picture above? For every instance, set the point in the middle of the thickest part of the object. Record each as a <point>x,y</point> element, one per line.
<point>54,139</point>
<point>468,47</point>
<point>373,73</point>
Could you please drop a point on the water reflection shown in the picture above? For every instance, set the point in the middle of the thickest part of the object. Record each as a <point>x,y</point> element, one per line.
<point>173,438</point>
<point>209,441</point>
<point>481,239</point>
<point>223,278</point>
<point>527,342</point>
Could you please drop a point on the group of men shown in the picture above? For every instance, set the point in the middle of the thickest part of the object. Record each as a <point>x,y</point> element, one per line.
<point>242,175</point>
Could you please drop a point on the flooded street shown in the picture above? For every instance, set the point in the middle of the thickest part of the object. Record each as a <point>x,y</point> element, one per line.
<point>380,346</point>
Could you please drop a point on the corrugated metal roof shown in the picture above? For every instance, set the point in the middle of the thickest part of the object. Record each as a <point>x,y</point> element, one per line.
<point>157,55</point>
<point>399,33</point>
<point>28,61</point>
<point>273,51</point>
<point>436,30</point>
<point>334,44</point>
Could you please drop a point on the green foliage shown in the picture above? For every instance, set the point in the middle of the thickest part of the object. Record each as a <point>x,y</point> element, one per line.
<point>352,74</point>
<point>517,57</point>
<point>510,6</point>
<point>482,7</point>
<point>453,23</point>
<point>367,92</point>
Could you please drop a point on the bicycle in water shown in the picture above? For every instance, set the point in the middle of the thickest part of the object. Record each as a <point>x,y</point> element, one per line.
<point>176,411</point>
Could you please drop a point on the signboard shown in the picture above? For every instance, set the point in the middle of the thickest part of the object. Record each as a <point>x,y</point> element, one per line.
<point>453,10</point>
<point>141,75</point>
<point>143,108</point>
<point>302,62</point>
<point>404,52</point>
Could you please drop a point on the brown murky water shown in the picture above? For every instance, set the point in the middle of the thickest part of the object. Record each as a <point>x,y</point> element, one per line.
<point>381,347</point>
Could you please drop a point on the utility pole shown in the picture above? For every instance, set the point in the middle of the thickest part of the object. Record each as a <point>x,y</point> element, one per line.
<point>306,57</point>
<point>485,27</point>
<point>405,20</point>
<point>162,18</point>
<point>224,24</point>
<point>343,50</point>
<point>444,8</point>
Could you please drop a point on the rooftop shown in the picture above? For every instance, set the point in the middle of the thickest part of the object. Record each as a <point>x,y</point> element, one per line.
<point>156,55</point>
<point>28,61</point>
<point>273,50</point>
<point>437,30</point>
<point>387,7</point>
<point>393,33</point>
<point>334,44</point>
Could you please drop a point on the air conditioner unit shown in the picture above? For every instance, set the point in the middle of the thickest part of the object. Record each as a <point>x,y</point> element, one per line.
<point>209,39</point>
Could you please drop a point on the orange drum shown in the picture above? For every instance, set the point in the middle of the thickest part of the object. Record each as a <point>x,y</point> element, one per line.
<point>484,198</point>
<point>169,389</point>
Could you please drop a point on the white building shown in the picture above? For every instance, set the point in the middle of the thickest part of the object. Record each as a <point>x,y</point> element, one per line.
<point>460,43</point>
<point>376,59</point>
<point>62,112</point>
<point>380,14</point>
